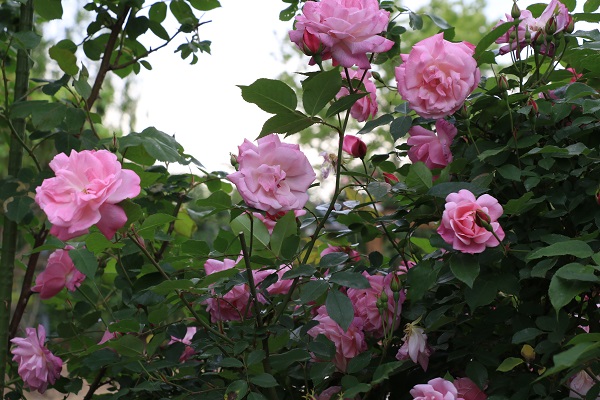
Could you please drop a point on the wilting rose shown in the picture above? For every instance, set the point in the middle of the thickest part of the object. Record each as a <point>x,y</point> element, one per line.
<point>366,107</point>
<point>273,176</point>
<point>38,367</point>
<point>348,344</point>
<point>85,191</point>
<point>437,388</point>
<point>437,76</point>
<point>60,273</point>
<point>354,146</point>
<point>467,223</point>
<point>415,346</point>
<point>348,30</point>
<point>431,148</point>
<point>468,390</point>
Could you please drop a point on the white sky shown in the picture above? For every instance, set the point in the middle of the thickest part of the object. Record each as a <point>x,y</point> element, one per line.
<point>201,104</point>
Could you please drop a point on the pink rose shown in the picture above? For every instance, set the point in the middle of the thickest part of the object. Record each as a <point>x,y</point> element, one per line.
<point>365,107</point>
<point>354,146</point>
<point>273,176</point>
<point>282,286</point>
<point>353,255</point>
<point>60,273</point>
<point>187,340</point>
<point>38,367</point>
<point>108,335</point>
<point>432,149</point>
<point>555,13</point>
<point>580,384</point>
<point>365,305</point>
<point>85,191</point>
<point>415,346</point>
<point>467,223</point>
<point>437,388</point>
<point>468,390</point>
<point>348,344</point>
<point>348,30</point>
<point>437,76</point>
<point>518,40</point>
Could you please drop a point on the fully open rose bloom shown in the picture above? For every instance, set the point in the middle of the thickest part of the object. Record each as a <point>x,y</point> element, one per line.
<point>85,192</point>
<point>38,367</point>
<point>437,76</point>
<point>348,344</point>
<point>60,273</point>
<point>435,389</point>
<point>431,148</point>
<point>467,222</point>
<point>366,107</point>
<point>273,176</point>
<point>347,30</point>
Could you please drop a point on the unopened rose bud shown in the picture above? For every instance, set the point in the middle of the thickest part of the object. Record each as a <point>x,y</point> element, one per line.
<point>551,27</point>
<point>515,12</point>
<point>233,161</point>
<point>527,35</point>
<point>311,45</point>
<point>354,146</point>
<point>502,83</point>
<point>598,196</point>
<point>483,220</point>
<point>377,76</point>
<point>534,106</point>
<point>390,178</point>
<point>395,284</point>
<point>570,25</point>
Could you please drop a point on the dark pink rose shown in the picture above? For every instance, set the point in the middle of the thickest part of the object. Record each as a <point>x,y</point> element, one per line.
<point>85,191</point>
<point>353,255</point>
<point>468,390</point>
<point>390,178</point>
<point>38,367</point>
<point>437,76</point>
<point>365,305</point>
<point>365,107</point>
<point>273,176</point>
<point>354,146</point>
<point>60,273</point>
<point>432,149</point>
<point>348,30</point>
<point>467,223</point>
<point>348,344</point>
<point>187,340</point>
<point>415,346</point>
<point>435,389</point>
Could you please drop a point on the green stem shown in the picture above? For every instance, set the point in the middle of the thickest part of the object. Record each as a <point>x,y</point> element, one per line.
<point>10,232</point>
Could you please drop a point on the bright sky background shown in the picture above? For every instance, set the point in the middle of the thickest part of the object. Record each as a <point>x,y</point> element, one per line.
<point>201,104</point>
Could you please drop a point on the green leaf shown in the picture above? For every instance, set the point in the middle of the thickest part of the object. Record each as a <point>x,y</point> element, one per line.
<point>522,204</point>
<point>287,122</point>
<point>281,362</point>
<point>350,279</point>
<point>359,362</point>
<point>379,190</point>
<point>270,95</point>
<point>439,21</point>
<point>251,228</point>
<point>84,261</point>
<point>575,248</point>
<point>526,335</point>
<point>205,5</point>
<point>156,220</point>
<point>400,127</point>
<point>48,116</point>
<point>510,172</point>
<point>182,12</point>
<point>158,12</point>
<point>482,293</point>
<point>26,40</point>
<point>578,272</point>
<point>415,21</point>
<point>465,268</point>
<point>384,371</point>
<point>98,243</point>
<point>264,380</point>
<point>340,309</point>
<point>236,390</point>
<point>127,345</point>
<point>285,227</point>
<point>576,355</point>
<point>333,259</point>
<point>48,9</point>
<point>491,37</point>
<point>382,120</point>
<point>419,177</point>
<point>420,278</point>
<point>312,290</point>
<point>562,291</point>
<point>83,88</point>
<point>319,89</point>
<point>161,146</point>
<point>442,190</point>
<point>344,103</point>
<point>509,364</point>
<point>167,287</point>
<point>18,208</point>
<point>66,59</point>
<point>300,270</point>
<point>158,29</point>
<point>577,89</point>
<point>591,5</point>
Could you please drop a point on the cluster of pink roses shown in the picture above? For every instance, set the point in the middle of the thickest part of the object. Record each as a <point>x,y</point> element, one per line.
<point>554,19</point>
